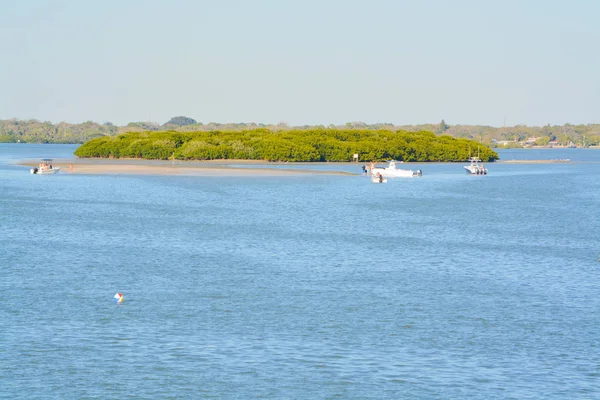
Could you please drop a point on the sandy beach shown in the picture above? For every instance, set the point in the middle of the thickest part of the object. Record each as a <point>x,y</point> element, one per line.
<point>156,167</point>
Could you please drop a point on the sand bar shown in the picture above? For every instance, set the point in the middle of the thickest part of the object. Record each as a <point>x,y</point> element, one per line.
<point>157,167</point>
<point>566,160</point>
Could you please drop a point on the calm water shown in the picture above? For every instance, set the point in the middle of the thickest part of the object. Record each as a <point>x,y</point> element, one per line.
<point>306,287</point>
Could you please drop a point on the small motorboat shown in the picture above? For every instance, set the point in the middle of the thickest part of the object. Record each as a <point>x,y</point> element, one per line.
<point>391,171</point>
<point>45,167</point>
<point>476,167</point>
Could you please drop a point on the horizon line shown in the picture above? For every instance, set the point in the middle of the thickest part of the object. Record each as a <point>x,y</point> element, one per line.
<point>291,125</point>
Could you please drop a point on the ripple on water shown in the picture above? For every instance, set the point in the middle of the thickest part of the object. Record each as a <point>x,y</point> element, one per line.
<point>302,287</point>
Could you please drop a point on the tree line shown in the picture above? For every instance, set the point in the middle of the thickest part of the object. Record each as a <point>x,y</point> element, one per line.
<point>334,145</point>
<point>34,131</point>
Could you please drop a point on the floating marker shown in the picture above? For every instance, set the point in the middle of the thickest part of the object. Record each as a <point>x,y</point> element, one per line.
<point>119,298</point>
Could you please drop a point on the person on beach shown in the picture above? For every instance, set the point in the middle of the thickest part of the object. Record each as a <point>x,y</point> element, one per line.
<point>70,168</point>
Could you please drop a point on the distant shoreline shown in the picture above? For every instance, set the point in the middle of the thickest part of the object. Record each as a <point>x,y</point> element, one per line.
<point>545,148</point>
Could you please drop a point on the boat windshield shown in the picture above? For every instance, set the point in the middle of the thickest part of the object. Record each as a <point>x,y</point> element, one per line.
<point>46,163</point>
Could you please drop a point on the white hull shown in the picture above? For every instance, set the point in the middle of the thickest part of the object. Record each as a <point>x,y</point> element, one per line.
<point>476,171</point>
<point>38,171</point>
<point>392,172</point>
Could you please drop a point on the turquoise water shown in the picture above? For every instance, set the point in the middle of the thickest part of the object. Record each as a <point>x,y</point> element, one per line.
<point>307,287</point>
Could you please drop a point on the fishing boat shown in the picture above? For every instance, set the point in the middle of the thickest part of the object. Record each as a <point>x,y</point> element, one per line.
<point>476,167</point>
<point>45,167</point>
<point>391,171</point>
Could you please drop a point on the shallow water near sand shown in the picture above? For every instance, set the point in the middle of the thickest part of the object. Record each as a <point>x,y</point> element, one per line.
<point>315,286</point>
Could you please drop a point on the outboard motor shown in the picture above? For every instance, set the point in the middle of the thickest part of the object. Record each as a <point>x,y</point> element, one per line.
<point>35,170</point>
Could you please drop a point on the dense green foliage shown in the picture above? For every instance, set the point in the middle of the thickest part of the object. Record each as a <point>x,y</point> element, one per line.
<point>290,145</point>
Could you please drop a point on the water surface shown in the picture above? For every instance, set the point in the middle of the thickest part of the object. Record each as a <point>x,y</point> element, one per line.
<point>447,286</point>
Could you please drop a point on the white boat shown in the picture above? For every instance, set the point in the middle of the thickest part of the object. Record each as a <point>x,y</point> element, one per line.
<point>476,167</point>
<point>392,172</point>
<point>45,168</point>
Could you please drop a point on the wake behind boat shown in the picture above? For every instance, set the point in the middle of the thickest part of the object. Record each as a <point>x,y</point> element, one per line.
<point>45,168</point>
<point>391,171</point>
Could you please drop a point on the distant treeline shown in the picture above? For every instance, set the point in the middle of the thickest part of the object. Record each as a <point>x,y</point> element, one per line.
<point>33,131</point>
<point>289,145</point>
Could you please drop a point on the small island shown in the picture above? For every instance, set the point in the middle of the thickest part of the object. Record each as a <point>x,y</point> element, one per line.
<point>313,145</point>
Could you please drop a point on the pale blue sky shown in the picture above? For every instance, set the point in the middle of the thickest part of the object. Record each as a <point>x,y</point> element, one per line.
<point>301,62</point>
